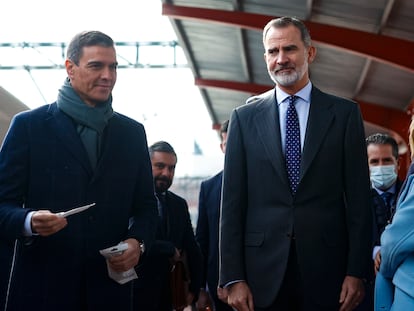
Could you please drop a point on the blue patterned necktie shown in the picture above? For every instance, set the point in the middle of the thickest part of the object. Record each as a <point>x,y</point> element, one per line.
<point>390,209</point>
<point>292,145</point>
<point>386,196</point>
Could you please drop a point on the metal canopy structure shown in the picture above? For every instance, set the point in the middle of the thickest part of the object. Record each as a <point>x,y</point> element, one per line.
<point>51,55</point>
<point>365,52</point>
<point>32,56</point>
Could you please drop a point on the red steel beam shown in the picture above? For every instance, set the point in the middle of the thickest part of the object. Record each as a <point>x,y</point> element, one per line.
<point>393,119</point>
<point>394,51</point>
<point>250,88</point>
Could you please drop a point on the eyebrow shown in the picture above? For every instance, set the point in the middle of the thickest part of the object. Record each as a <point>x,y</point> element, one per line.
<point>92,62</point>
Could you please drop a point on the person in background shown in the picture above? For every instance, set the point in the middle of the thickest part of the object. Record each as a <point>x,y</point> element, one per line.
<point>175,237</point>
<point>394,290</point>
<point>296,223</point>
<point>207,234</point>
<point>74,152</point>
<point>383,157</point>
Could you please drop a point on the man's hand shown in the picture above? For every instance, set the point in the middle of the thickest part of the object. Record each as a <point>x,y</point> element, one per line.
<point>190,298</point>
<point>177,256</point>
<point>377,262</point>
<point>222,294</point>
<point>203,300</point>
<point>128,259</point>
<point>240,297</point>
<point>353,292</point>
<point>45,223</point>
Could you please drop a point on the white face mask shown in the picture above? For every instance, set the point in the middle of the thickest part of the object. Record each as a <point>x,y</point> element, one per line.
<point>383,176</point>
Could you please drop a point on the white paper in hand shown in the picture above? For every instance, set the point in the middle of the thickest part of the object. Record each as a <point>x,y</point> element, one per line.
<point>114,250</point>
<point>75,210</point>
<point>120,277</point>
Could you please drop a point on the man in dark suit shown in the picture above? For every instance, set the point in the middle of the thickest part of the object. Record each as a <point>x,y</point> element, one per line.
<point>68,154</point>
<point>175,238</point>
<point>207,233</point>
<point>383,157</point>
<point>383,163</point>
<point>295,227</point>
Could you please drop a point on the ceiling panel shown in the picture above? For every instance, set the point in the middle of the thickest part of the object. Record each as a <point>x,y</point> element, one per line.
<point>355,60</point>
<point>400,23</point>
<point>388,87</point>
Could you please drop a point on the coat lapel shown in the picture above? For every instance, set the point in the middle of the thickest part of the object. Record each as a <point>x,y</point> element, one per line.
<point>65,130</point>
<point>319,121</point>
<point>268,128</point>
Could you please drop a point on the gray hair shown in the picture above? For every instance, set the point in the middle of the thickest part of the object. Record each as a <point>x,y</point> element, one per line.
<point>286,21</point>
<point>161,146</point>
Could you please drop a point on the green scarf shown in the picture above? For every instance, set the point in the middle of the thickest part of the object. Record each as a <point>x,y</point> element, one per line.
<point>91,120</point>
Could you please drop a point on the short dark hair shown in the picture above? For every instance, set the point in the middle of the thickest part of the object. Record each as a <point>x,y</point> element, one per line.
<point>161,146</point>
<point>383,139</point>
<point>87,38</point>
<point>286,21</point>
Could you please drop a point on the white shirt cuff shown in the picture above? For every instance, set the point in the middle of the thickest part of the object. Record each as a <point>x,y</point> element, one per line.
<point>27,230</point>
<point>375,251</point>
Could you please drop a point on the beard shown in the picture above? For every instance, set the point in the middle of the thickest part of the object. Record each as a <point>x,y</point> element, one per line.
<point>288,79</point>
<point>162,184</point>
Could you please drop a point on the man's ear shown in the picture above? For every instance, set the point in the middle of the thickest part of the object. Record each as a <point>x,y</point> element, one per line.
<point>311,54</point>
<point>69,68</point>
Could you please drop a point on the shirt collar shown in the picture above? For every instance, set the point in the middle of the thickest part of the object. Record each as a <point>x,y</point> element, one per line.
<point>392,189</point>
<point>304,93</point>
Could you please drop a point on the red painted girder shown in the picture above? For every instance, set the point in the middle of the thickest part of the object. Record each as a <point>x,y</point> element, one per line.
<point>250,88</point>
<point>382,48</point>
<point>393,119</point>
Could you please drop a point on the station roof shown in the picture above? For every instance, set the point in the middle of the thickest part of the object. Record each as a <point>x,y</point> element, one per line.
<point>365,52</point>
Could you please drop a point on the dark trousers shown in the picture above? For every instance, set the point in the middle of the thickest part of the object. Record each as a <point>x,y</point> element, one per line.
<point>292,295</point>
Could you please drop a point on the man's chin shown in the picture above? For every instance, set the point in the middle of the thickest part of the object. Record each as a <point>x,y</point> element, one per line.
<point>161,187</point>
<point>286,80</point>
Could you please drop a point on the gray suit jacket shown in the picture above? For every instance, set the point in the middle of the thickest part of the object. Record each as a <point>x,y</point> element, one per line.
<point>329,215</point>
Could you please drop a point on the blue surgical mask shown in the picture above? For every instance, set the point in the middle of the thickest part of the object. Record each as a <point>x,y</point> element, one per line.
<point>383,176</point>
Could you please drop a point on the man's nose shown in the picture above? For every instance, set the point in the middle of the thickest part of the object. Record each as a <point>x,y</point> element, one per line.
<point>107,73</point>
<point>166,172</point>
<point>282,58</point>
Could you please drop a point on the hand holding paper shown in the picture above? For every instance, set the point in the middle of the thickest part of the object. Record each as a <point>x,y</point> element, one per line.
<point>113,251</point>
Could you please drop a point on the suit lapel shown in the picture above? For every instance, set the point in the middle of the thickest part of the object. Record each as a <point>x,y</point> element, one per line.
<point>65,130</point>
<point>216,200</point>
<point>268,128</point>
<point>319,122</point>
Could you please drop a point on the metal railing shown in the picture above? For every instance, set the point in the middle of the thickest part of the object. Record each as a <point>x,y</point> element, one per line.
<point>51,55</point>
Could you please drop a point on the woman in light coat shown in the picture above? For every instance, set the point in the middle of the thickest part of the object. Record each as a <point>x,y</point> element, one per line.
<point>394,285</point>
